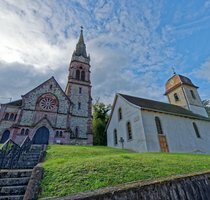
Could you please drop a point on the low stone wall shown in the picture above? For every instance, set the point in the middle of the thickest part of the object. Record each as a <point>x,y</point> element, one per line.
<point>190,187</point>
<point>33,187</point>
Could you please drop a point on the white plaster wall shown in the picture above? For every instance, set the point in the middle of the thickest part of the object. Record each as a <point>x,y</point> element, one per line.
<point>132,114</point>
<point>179,132</point>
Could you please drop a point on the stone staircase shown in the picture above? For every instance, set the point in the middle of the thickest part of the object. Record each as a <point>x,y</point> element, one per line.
<point>13,182</point>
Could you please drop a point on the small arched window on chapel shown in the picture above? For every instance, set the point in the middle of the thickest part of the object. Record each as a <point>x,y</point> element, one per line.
<point>115,137</point>
<point>129,131</point>
<point>196,130</point>
<point>158,125</point>
<point>120,114</point>
<point>176,97</point>
<point>192,94</point>
<point>76,132</point>
<point>83,76</point>
<point>77,74</point>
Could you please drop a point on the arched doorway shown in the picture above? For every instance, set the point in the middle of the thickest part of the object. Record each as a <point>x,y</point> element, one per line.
<point>5,136</point>
<point>41,136</point>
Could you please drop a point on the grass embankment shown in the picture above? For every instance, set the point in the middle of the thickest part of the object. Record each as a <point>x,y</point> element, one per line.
<point>73,169</point>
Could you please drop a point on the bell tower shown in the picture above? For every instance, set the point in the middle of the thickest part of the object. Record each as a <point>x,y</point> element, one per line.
<point>78,89</point>
<point>182,92</point>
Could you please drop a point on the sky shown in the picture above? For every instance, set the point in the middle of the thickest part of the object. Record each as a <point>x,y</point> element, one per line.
<point>133,44</point>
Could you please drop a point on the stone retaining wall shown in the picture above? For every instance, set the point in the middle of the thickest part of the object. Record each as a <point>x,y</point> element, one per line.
<point>190,187</point>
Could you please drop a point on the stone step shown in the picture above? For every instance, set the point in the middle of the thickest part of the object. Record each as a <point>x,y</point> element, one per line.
<point>14,173</point>
<point>14,181</point>
<point>12,197</point>
<point>12,190</point>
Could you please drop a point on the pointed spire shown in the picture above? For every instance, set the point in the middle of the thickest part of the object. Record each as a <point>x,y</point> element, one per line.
<point>81,48</point>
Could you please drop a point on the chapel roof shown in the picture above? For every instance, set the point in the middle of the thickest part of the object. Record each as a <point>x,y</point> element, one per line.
<point>158,106</point>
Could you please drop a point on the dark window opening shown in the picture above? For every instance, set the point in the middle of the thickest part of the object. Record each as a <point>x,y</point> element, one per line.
<point>27,131</point>
<point>22,131</point>
<point>196,130</point>
<point>57,134</point>
<point>79,105</point>
<point>80,90</point>
<point>83,76</point>
<point>61,133</point>
<point>6,116</point>
<point>176,97</point>
<point>120,113</point>
<point>192,94</point>
<point>15,117</point>
<point>76,132</point>
<point>158,125</point>
<point>115,137</point>
<point>11,117</point>
<point>129,131</point>
<point>77,74</point>
<point>51,87</point>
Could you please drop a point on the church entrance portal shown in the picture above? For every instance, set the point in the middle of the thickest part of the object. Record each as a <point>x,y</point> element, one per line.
<point>163,143</point>
<point>41,136</point>
<point>5,136</point>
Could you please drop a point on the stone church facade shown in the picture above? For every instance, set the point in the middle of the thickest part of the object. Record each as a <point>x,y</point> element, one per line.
<point>50,115</point>
<point>145,125</point>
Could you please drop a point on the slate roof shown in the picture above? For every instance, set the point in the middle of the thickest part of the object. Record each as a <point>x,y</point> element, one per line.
<point>15,103</point>
<point>162,107</point>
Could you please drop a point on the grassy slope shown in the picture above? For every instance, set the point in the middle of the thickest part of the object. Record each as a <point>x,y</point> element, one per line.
<point>73,169</point>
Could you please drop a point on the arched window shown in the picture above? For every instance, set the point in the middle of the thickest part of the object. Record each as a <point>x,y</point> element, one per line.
<point>120,113</point>
<point>83,76</point>
<point>6,116</point>
<point>79,105</point>
<point>196,130</point>
<point>129,131</point>
<point>11,117</point>
<point>158,125</point>
<point>22,131</point>
<point>15,117</point>
<point>27,131</point>
<point>192,94</point>
<point>176,97</point>
<point>115,137</point>
<point>76,132</point>
<point>61,133</point>
<point>57,134</point>
<point>77,74</point>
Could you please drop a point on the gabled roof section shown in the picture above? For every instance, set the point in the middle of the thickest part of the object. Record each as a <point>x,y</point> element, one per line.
<point>17,103</point>
<point>50,79</point>
<point>158,106</point>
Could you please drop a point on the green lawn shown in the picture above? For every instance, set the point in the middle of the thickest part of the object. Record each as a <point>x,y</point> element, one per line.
<point>73,169</point>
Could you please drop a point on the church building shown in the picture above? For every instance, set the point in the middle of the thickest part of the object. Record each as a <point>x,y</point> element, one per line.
<point>144,125</point>
<point>50,115</point>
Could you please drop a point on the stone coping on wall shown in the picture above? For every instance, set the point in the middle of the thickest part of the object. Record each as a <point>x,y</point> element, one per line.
<point>109,193</point>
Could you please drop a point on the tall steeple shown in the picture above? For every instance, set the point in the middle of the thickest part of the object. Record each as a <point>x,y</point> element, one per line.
<point>78,89</point>
<point>81,47</point>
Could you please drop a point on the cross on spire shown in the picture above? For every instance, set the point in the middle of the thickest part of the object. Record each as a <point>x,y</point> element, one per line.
<point>173,69</point>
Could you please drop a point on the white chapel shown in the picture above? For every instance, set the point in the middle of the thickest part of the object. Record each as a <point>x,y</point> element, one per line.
<point>144,125</point>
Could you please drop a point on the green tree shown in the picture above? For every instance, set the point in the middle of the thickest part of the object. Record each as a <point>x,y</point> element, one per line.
<point>206,104</point>
<point>100,119</point>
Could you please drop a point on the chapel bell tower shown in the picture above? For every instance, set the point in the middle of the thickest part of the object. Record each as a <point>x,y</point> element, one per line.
<point>78,89</point>
<point>182,92</point>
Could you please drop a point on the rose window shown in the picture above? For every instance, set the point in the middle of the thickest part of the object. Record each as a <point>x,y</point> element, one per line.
<point>48,103</point>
